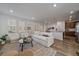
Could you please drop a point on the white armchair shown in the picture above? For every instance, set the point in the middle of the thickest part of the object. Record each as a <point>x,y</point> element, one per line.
<point>13,36</point>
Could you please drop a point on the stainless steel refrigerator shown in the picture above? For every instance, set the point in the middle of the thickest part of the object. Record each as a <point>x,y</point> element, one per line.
<point>77,32</point>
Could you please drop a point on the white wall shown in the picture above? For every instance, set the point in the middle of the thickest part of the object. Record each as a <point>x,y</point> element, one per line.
<point>52,25</point>
<point>59,25</point>
<point>35,26</point>
<point>3,25</point>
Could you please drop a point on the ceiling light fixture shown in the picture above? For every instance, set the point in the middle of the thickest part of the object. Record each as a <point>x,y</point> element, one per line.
<point>33,18</point>
<point>11,11</point>
<point>54,5</point>
<point>71,12</point>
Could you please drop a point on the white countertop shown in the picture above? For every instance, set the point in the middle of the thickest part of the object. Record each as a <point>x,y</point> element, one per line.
<point>58,31</point>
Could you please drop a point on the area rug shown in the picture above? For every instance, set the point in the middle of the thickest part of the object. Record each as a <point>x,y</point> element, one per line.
<point>37,49</point>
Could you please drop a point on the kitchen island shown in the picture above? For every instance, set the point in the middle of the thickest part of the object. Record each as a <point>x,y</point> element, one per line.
<point>58,35</point>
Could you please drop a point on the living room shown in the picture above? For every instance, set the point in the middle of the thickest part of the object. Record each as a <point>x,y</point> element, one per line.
<point>39,29</point>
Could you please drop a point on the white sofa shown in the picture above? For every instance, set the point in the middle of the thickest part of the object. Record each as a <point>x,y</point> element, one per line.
<point>42,39</point>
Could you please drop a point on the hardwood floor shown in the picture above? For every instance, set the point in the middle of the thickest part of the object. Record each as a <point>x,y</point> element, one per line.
<point>68,46</point>
<point>36,50</point>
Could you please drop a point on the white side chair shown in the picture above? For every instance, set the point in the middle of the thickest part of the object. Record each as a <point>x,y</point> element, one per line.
<point>21,41</point>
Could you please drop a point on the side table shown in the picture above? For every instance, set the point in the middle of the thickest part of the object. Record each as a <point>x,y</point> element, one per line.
<point>24,41</point>
<point>29,40</point>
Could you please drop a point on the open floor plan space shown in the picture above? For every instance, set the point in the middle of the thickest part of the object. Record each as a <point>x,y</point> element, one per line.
<point>39,29</point>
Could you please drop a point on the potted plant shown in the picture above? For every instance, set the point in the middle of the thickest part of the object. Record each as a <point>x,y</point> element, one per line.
<point>3,39</point>
<point>0,40</point>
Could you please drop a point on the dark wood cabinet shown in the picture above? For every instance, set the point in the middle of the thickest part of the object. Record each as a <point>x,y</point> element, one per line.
<point>70,25</point>
<point>70,33</point>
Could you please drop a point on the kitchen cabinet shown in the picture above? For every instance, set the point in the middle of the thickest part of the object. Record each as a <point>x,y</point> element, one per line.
<point>58,35</point>
<point>70,28</point>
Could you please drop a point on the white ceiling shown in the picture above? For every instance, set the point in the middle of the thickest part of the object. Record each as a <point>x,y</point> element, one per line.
<point>40,11</point>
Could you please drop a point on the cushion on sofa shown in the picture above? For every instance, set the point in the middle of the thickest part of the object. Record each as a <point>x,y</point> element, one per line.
<point>45,35</point>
